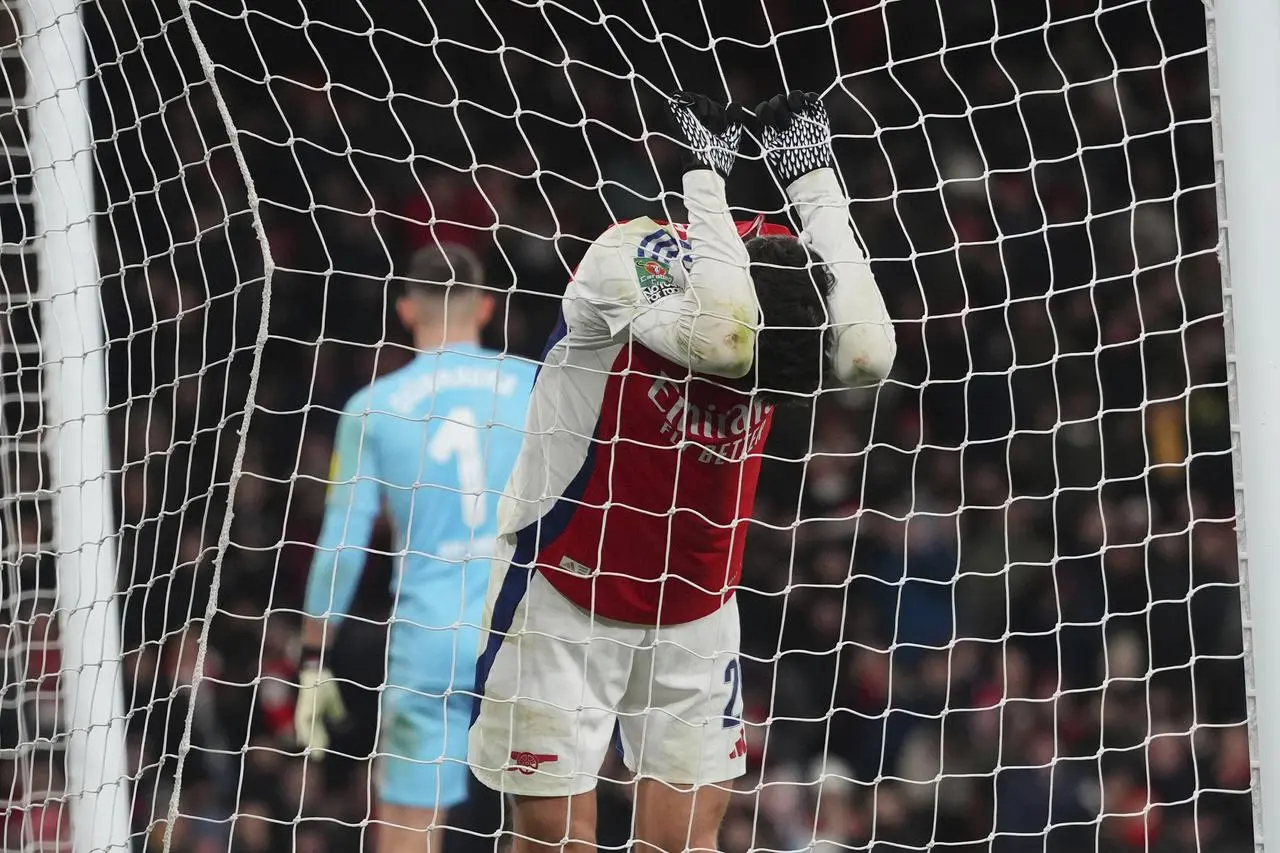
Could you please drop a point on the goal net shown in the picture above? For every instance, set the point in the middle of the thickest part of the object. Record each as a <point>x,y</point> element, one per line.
<point>990,605</point>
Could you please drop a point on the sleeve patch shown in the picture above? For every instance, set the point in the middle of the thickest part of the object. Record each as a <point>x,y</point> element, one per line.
<point>655,279</point>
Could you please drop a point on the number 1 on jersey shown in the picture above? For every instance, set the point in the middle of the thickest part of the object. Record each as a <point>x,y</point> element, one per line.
<point>457,439</point>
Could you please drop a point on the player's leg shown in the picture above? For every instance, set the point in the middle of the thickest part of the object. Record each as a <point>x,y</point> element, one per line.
<point>682,733</point>
<point>673,818</point>
<point>405,829</point>
<point>550,678</point>
<point>543,824</point>
<point>421,768</point>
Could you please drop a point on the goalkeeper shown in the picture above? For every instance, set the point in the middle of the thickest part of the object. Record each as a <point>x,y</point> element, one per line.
<point>433,442</point>
<point>624,525</point>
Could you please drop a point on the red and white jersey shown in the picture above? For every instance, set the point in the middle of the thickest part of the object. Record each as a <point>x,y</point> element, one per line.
<point>638,474</point>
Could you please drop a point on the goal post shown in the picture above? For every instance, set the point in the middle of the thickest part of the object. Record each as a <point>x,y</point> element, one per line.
<point>1244,44</point>
<point>74,442</point>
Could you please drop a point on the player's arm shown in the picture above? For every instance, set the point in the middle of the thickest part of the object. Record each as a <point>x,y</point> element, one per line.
<point>352,506</point>
<point>797,139</point>
<point>710,326</point>
<point>864,343</point>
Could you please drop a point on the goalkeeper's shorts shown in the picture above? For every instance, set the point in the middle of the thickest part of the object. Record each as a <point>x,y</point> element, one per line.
<point>563,687</point>
<point>422,748</point>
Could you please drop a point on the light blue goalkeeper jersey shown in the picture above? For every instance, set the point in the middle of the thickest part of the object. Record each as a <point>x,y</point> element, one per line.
<point>434,444</point>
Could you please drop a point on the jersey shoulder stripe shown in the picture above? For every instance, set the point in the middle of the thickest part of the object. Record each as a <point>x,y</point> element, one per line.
<point>663,246</point>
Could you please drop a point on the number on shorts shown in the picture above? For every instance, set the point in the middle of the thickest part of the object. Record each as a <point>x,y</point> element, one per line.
<point>732,710</point>
<point>458,440</point>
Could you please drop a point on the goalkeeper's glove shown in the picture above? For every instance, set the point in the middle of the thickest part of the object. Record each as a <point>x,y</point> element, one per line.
<point>795,134</point>
<point>319,705</point>
<point>709,132</point>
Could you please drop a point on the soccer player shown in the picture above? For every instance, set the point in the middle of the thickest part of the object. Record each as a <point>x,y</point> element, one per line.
<point>624,525</point>
<point>433,444</point>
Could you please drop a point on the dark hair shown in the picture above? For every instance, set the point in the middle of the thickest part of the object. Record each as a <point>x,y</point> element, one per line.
<point>434,269</point>
<point>792,284</point>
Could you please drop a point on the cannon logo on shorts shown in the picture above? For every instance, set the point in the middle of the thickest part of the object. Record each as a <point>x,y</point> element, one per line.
<point>528,762</point>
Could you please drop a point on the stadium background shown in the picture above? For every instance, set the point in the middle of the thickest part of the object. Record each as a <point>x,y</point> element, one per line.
<point>1060,379</point>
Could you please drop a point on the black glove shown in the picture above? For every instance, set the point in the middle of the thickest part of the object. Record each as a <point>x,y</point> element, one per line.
<point>710,132</point>
<point>795,134</point>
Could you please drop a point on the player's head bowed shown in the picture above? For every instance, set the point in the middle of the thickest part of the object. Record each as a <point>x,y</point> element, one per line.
<point>791,284</point>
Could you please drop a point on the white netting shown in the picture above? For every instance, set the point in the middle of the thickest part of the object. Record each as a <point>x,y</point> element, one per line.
<point>992,606</point>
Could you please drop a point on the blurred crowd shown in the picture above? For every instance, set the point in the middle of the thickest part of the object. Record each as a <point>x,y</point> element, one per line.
<point>992,606</point>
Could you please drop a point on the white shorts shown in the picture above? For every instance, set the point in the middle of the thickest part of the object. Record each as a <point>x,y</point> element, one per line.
<point>562,687</point>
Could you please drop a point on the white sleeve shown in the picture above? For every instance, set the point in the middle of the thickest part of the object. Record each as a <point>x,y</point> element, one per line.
<point>864,346</point>
<point>709,325</point>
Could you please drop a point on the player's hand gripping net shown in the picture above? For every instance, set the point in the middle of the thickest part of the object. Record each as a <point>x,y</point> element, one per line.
<point>709,132</point>
<point>795,134</point>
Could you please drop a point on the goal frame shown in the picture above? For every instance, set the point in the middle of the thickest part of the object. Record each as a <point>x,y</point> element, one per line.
<point>72,339</point>
<point>1244,72</point>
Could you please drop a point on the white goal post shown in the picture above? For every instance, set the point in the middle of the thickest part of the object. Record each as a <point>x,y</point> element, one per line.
<point>71,441</point>
<point>993,604</point>
<point>1246,50</point>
